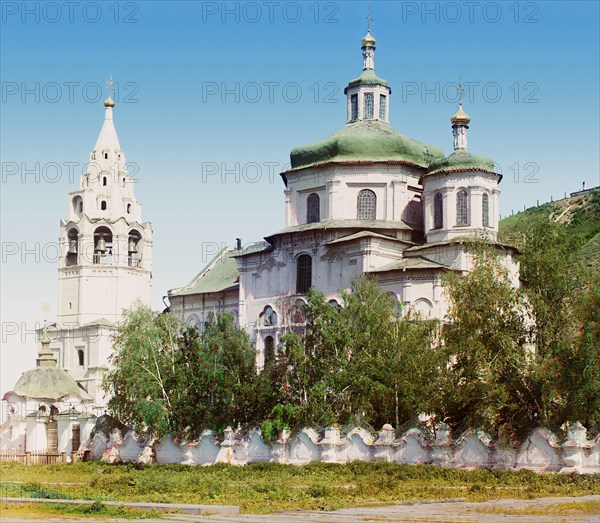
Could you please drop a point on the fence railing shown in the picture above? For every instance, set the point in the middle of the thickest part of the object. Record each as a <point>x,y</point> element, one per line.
<point>37,457</point>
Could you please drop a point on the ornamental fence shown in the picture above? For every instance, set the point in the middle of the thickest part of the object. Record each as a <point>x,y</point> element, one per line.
<point>541,451</point>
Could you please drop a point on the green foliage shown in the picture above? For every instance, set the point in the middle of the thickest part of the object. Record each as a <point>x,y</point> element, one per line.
<point>487,382</point>
<point>361,363</point>
<point>169,379</point>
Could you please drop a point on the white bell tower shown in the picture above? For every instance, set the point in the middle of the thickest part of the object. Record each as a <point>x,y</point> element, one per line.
<point>105,259</point>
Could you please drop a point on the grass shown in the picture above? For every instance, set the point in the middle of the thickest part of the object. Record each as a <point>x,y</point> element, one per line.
<point>95,510</point>
<point>571,508</point>
<point>269,487</point>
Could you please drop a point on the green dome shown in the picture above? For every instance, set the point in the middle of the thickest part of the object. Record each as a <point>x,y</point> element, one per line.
<point>49,383</point>
<point>367,77</point>
<point>365,140</point>
<point>461,160</point>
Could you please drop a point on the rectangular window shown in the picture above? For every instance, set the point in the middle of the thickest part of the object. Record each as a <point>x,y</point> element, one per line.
<point>368,105</point>
<point>382,106</point>
<point>354,106</point>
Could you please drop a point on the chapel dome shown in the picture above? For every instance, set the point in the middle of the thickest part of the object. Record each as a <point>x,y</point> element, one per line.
<point>365,140</point>
<point>49,383</point>
<point>367,77</point>
<point>460,160</point>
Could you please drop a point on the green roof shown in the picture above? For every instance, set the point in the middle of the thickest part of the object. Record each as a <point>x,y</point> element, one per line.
<point>221,274</point>
<point>367,234</point>
<point>410,264</point>
<point>461,160</point>
<point>367,77</point>
<point>365,140</point>
<point>345,224</point>
<point>47,381</point>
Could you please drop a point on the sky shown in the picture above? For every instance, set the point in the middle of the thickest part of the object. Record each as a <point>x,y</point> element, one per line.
<point>212,96</point>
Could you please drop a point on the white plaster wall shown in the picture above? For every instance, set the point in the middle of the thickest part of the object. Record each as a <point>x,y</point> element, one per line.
<point>473,449</point>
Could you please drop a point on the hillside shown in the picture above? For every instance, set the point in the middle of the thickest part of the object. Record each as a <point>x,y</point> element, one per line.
<point>581,214</point>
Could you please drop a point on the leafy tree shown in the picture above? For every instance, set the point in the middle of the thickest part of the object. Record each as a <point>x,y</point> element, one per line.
<point>170,379</point>
<point>143,384</point>
<point>488,383</point>
<point>560,291</point>
<point>363,362</point>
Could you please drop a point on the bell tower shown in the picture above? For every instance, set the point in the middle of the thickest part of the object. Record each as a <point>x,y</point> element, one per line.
<point>105,259</point>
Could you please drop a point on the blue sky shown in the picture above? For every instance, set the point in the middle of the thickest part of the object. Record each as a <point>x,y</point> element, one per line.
<point>229,88</point>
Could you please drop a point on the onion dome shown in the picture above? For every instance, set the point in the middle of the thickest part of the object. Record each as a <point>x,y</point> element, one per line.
<point>109,102</point>
<point>368,40</point>
<point>460,117</point>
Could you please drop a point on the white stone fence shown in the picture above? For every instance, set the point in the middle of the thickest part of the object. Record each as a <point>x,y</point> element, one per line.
<point>540,452</point>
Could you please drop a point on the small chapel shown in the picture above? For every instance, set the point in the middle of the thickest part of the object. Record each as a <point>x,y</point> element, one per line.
<point>365,200</point>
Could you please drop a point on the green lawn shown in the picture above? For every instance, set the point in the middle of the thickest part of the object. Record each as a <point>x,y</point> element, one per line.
<point>263,488</point>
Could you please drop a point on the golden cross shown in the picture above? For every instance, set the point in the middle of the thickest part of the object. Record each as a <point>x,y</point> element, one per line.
<point>369,19</point>
<point>111,85</point>
<point>460,90</point>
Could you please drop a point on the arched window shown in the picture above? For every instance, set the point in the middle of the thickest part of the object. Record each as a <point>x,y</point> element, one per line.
<point>104,181</point>
<point>73,241</point>
<point>303,273</point>
<point>313,208</point>
<point>103,245</point>
<point>368,105</point>
<point>354,107</point>
<point>268,317</point>
<point>80,357</point>
<point>269,346</point>
<point>133,248</point>
<point>382,106</point>
<point>485,210</point>
<point>78,204</point>
<point>335,305</point>
<point>462,208</point>
<point>103,205</point>
<point>366,204</point>
<point>438,211</point>
<point>128,208</point>
<point>298,312</point>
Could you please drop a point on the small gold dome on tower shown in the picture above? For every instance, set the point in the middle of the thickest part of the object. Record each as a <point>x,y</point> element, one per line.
<point>109,102</point>
<point>460,117</point>
<point>368,39</point>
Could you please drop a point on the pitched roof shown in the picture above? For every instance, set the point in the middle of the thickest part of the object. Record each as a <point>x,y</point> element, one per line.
<point>344,224</point>
<point>410,264</point>
<point>221,274</point>
<point>366,234</point>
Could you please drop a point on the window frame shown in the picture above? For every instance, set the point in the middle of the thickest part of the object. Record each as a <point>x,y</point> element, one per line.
<point>485,210</point>
<point>438,211</point>
<point>366,209</point>
<point>313,208</point>
<point>368,109</point>
<point>303,273</point>
<point>460,211</point>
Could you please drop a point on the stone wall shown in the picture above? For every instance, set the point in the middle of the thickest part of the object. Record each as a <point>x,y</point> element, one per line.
<point>541,451</point>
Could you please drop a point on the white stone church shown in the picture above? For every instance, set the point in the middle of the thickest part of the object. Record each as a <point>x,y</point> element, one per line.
<point>365,200</point>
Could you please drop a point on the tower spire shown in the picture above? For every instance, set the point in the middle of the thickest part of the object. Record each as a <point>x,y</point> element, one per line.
<point>460,120</point>
<point>368,45</point>
<point>108,139</point>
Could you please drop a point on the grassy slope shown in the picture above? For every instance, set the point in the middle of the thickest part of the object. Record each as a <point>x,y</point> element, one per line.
<point>580,213</point>
<point>263,488</point>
